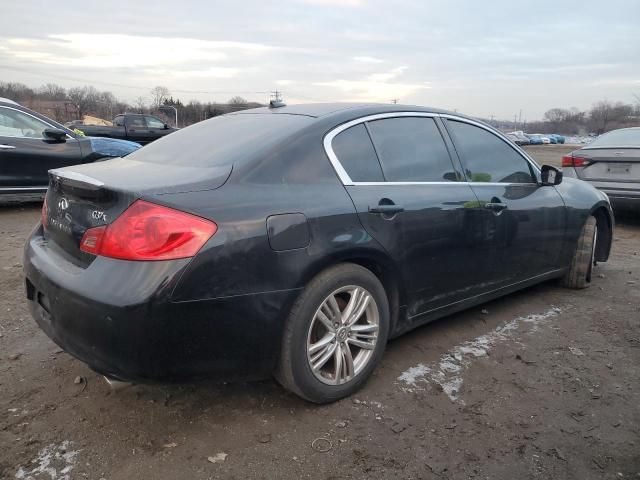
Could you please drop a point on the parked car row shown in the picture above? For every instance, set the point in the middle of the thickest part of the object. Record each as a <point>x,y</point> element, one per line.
<point>521,138</point>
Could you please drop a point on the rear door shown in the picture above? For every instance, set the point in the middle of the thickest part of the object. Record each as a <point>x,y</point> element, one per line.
<point>412,199</point>
<point>26,156</point>
<point>522,223</point>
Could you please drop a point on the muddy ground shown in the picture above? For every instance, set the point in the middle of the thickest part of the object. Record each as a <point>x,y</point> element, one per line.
<point>544,383</point>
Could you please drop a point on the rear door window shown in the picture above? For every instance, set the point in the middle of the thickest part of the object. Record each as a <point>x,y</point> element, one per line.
<point>411,149</point>
<point>486,157</point>
<point>355,152</point>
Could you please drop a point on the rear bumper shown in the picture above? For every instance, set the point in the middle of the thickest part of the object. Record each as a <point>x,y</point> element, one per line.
<point>621,194</point>
<point>118,318</point>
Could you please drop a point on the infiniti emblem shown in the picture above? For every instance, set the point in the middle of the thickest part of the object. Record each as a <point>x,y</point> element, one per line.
<point>63,204</point>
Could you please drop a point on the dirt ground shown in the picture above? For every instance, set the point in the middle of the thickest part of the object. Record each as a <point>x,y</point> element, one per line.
<point>542,384</point>
<point>550,154</point>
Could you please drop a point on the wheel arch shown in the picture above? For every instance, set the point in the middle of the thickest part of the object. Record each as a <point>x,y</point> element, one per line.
<point>377,263</point>
<point>604,225</point>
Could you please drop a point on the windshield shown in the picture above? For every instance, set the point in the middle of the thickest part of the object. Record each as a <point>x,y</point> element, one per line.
<point>627,137</point>
<point>221,141</point>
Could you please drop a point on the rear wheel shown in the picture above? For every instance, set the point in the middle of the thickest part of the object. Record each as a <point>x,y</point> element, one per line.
<point>579,274</point>
<point>335,334</point>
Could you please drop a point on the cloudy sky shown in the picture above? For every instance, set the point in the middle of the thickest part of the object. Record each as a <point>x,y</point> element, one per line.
<point>480,58</point>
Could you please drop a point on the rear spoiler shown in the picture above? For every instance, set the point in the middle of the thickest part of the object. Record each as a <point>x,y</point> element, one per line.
<point>75,179</point>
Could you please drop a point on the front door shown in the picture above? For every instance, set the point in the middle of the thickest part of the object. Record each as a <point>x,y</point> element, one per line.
<point>26,155</point>
<point>521,223</point>
<point>411,198</point>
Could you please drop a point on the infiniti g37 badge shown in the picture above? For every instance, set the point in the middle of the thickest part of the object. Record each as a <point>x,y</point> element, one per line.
<point>98,215</point>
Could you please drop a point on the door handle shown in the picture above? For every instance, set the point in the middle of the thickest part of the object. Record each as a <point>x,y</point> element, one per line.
<point>7,147</point>
<point>495,206</point>
<point>386,209</point>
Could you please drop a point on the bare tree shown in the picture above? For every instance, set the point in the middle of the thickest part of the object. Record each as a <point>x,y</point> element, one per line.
<point>158,95</point>
<point>140,104</point>
<point>239,101</point>
<point>52,91</point>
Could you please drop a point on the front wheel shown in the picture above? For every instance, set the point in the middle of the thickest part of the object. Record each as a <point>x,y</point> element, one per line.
<point>335,334</point>
<point>579,274</point>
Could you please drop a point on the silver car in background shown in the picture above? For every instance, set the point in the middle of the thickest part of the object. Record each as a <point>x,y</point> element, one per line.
<point>610,163</point>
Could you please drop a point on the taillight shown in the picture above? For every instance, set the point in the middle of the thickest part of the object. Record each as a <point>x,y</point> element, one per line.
<point>571,161</point>
<point>146,231</point>
<point>43,215</point>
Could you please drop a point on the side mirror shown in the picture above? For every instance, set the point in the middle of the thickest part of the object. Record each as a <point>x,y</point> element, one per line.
<point>550,175</point>
<point>55,134</point>
<point>166,126</point>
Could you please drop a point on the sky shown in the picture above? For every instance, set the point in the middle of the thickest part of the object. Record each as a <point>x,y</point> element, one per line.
<point>483,58</point>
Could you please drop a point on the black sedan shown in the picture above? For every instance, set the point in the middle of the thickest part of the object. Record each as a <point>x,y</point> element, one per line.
<point>610,163</point>
<point>31,144</point>
<point>295,241</point>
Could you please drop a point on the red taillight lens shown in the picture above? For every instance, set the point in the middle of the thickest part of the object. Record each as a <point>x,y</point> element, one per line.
<point>43,215</point>
<point>146,231</point>
<point>571,161</point>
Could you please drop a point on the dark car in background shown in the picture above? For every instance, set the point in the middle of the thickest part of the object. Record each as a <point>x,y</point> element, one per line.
<point>610,163</point>
<point>295,241</point>
<point>136,127</point>
<point>31,144</point>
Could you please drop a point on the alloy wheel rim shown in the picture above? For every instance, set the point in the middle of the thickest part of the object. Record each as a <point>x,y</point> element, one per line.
<point>343,335</point>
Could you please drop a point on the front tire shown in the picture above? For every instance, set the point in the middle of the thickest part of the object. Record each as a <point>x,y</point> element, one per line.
<point>579,274</point>
<point>335,334</point>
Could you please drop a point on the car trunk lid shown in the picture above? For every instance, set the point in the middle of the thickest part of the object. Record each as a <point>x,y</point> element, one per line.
<point>609,164</point>
<point>87,196</point>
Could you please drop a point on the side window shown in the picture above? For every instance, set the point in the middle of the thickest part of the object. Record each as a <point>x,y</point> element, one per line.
<point>486,157</point>
<point>411,149</point>
<point>17,124</point>
<point>153,122</point>
<point>119,121</point>
<point>135,121</point>
<point>355,152</point>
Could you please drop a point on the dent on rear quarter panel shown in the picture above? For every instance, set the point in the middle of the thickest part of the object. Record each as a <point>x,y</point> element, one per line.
<point>295,177</point>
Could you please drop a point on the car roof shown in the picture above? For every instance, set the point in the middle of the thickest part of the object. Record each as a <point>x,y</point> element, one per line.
<point>320,110</point>
<point>8,101</point>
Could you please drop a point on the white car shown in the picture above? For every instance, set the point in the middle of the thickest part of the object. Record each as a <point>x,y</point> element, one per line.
<point>545,140</point>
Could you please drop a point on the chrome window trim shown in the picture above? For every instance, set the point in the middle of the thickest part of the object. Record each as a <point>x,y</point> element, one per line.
<point>347,181</point>
<point>328,148</point>
<point>32,116</point>
<point>13,189</point>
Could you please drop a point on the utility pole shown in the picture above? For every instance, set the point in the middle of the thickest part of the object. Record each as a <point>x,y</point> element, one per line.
<point>520,119</point>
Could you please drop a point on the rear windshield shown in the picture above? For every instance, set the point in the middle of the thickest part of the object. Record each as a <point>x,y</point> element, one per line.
<point>221,141</point>
<point>628,137</point>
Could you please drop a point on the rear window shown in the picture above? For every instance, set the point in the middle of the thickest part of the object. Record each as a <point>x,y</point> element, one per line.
<point>221,141</point>
<point>618,138</point>
<point>355,151</point>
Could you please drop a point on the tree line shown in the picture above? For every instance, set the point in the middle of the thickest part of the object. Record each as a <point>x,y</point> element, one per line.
<point>602,117</point>
<point>74,103</point>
